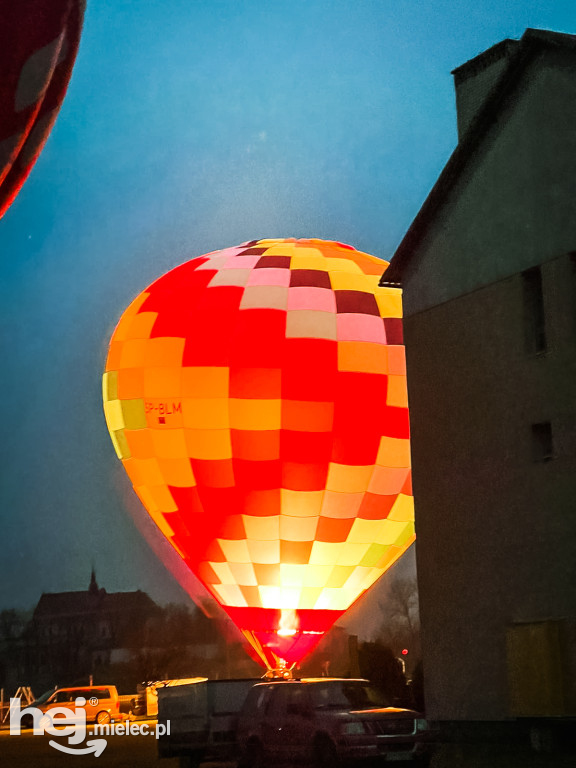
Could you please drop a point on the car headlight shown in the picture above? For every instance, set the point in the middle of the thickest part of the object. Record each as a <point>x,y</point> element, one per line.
<point>353,728</point>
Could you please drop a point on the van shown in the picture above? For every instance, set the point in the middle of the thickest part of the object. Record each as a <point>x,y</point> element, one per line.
<point>102,703</point>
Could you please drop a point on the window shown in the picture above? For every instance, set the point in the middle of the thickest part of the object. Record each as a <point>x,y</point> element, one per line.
<point>277,702</point>
<point>542,443</point>
<point>257,699</point>
<point>61,697</point>
<point>534,322</point>
<point>298,703</point>
<point>101,693</point>
<point>347,695</point>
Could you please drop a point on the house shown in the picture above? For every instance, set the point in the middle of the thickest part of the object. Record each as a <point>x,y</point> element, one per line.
<point>488,270</point>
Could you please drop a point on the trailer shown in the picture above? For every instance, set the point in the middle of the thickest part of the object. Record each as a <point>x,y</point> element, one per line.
<point>203,718</point>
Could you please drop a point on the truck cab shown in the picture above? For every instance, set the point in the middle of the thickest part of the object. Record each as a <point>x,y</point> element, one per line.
<point>325,722</point>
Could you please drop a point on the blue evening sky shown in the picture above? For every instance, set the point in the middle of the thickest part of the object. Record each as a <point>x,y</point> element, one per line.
<point>191,125</point>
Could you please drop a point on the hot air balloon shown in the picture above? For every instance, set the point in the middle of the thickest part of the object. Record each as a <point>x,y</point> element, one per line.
<point>38,45</point>
<point>257,399</point>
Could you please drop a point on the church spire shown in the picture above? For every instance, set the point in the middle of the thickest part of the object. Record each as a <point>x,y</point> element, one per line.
<point>93,588</point>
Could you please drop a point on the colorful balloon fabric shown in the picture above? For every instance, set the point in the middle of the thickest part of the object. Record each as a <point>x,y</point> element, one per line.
<point>257,399</point>
<point>38,44</point>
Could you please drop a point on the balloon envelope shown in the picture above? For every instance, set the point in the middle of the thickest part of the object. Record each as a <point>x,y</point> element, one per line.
<point>38,45</point>
<point>257,399</point>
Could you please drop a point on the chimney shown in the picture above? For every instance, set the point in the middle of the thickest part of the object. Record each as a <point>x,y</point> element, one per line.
<point>475,80</point>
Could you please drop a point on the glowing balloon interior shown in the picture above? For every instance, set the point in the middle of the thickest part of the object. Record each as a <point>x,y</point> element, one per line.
<point>257,399</point>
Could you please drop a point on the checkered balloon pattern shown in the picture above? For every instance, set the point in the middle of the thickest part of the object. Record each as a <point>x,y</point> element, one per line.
<point>257,399</point>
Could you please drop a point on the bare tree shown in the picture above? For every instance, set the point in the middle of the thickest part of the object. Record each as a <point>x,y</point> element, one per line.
<point>12,623</point>
<point>400,628</point>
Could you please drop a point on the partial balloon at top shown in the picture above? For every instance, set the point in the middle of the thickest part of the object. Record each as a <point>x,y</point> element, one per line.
<point>257,399</point>
<point>38,45</point>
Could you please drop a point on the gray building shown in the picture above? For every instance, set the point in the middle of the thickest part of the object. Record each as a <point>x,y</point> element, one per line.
<point>489,276</point>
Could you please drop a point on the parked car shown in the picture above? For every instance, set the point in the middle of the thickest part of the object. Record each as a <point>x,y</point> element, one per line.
<point>102,703</point>
<point>328,722</point>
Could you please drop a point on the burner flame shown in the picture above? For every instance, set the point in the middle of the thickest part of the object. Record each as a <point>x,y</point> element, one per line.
<point>288,623</point>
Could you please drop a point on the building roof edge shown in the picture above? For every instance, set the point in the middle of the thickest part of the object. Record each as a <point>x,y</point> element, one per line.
<point>531,42</point>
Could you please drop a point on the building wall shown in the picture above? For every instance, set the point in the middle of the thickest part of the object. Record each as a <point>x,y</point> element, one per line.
<point>475,80</point>
<point>496,528</point>
<point>513,204</point>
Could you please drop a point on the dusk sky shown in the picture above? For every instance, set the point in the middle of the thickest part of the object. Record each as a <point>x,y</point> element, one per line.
<point>190,126</point>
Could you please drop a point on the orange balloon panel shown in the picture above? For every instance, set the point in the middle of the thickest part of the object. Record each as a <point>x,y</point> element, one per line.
<point>257,399</point>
